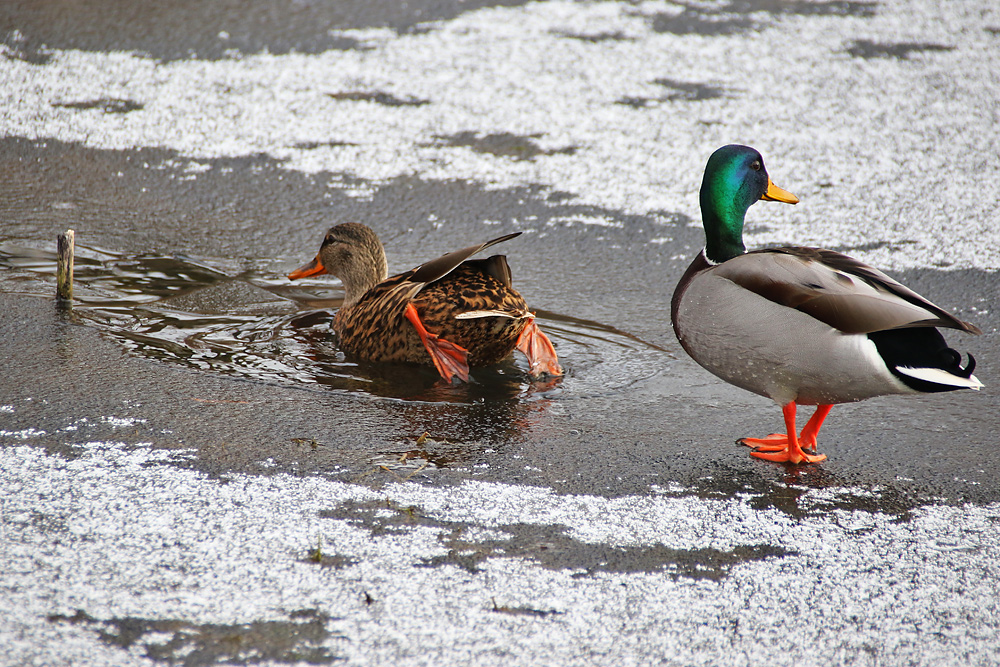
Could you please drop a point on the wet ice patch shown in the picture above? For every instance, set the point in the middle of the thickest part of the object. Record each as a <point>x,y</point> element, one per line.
<point>296,640</point>
<point>878,120</point>
<point>634,578</point>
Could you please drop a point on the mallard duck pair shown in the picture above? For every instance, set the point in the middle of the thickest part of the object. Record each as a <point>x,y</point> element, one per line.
<point>453,312</point>
<point>802,326</point>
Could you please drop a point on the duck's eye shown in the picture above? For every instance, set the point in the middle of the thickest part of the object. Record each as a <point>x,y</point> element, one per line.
<point>755,165</point>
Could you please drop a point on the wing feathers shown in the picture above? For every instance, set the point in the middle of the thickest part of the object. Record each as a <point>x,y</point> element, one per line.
<point>438,268</point>
<point>836,289</point>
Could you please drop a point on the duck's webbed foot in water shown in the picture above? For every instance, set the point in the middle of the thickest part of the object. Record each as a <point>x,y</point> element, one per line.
<point>450,359</point>
<point>538,348</point>
<point>787,447</point>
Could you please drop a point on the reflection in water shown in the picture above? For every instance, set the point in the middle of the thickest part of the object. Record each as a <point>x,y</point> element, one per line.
<point>426,452</point>
<point>801,492</point>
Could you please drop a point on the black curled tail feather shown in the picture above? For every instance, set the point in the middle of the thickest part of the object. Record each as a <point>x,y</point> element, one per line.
<point>951,361</point>
<point>920,347</point>
<point>971,366</point>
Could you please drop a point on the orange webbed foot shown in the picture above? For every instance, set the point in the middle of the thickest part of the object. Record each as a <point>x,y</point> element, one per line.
<point>775,442</point>
<point>787,447</point>
<point>788,455</point>
<point>539,350</point>
<point>778,442</point>
<point>450,359</point>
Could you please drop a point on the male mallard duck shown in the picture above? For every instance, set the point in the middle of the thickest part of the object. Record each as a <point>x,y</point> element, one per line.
<point>802,326</point>
<point>451,311</point>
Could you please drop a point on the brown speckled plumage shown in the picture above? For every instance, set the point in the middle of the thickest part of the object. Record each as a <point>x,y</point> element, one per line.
<point>452,295</point>
<point>374,328</point>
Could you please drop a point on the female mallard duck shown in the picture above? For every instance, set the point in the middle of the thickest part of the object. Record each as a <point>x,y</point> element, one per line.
<point>451,311</point>
<point>802,326</point>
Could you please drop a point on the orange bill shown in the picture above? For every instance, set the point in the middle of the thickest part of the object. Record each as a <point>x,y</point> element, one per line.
<point>313,268</point>
<point>774,193</point>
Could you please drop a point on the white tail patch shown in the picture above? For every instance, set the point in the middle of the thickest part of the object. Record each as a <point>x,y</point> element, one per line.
<point>938,376</point>
<point>476,314</point>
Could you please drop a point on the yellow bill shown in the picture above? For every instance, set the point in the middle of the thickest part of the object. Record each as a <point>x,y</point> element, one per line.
<point>774,193</point>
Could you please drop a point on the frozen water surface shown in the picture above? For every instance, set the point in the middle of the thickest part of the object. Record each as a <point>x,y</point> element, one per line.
<point>190,475</point>
<point>838,587</point>
<point>890,145</point>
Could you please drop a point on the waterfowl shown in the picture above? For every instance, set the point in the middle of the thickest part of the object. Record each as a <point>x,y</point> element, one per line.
<point>802,326</point>
<point>453,312</point>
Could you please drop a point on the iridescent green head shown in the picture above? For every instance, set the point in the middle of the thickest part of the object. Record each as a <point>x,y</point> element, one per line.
<point>735,178</point>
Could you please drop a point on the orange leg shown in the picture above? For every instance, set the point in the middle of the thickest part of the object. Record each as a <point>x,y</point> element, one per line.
<point>450,359</point>
<point>538,348</point>
<point>788,448</point>
<point>808,436</point>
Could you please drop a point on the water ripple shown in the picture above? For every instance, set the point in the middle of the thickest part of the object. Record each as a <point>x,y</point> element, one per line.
<point>259,326</point>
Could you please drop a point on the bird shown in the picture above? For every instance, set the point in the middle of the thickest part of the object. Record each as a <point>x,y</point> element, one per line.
<point>452,312</point>
<point>801,325</point>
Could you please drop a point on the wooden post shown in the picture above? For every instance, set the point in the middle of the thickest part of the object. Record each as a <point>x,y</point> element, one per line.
<point>64,265</point>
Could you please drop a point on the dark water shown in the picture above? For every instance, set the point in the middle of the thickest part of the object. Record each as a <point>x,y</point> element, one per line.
<point>264,381</point>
